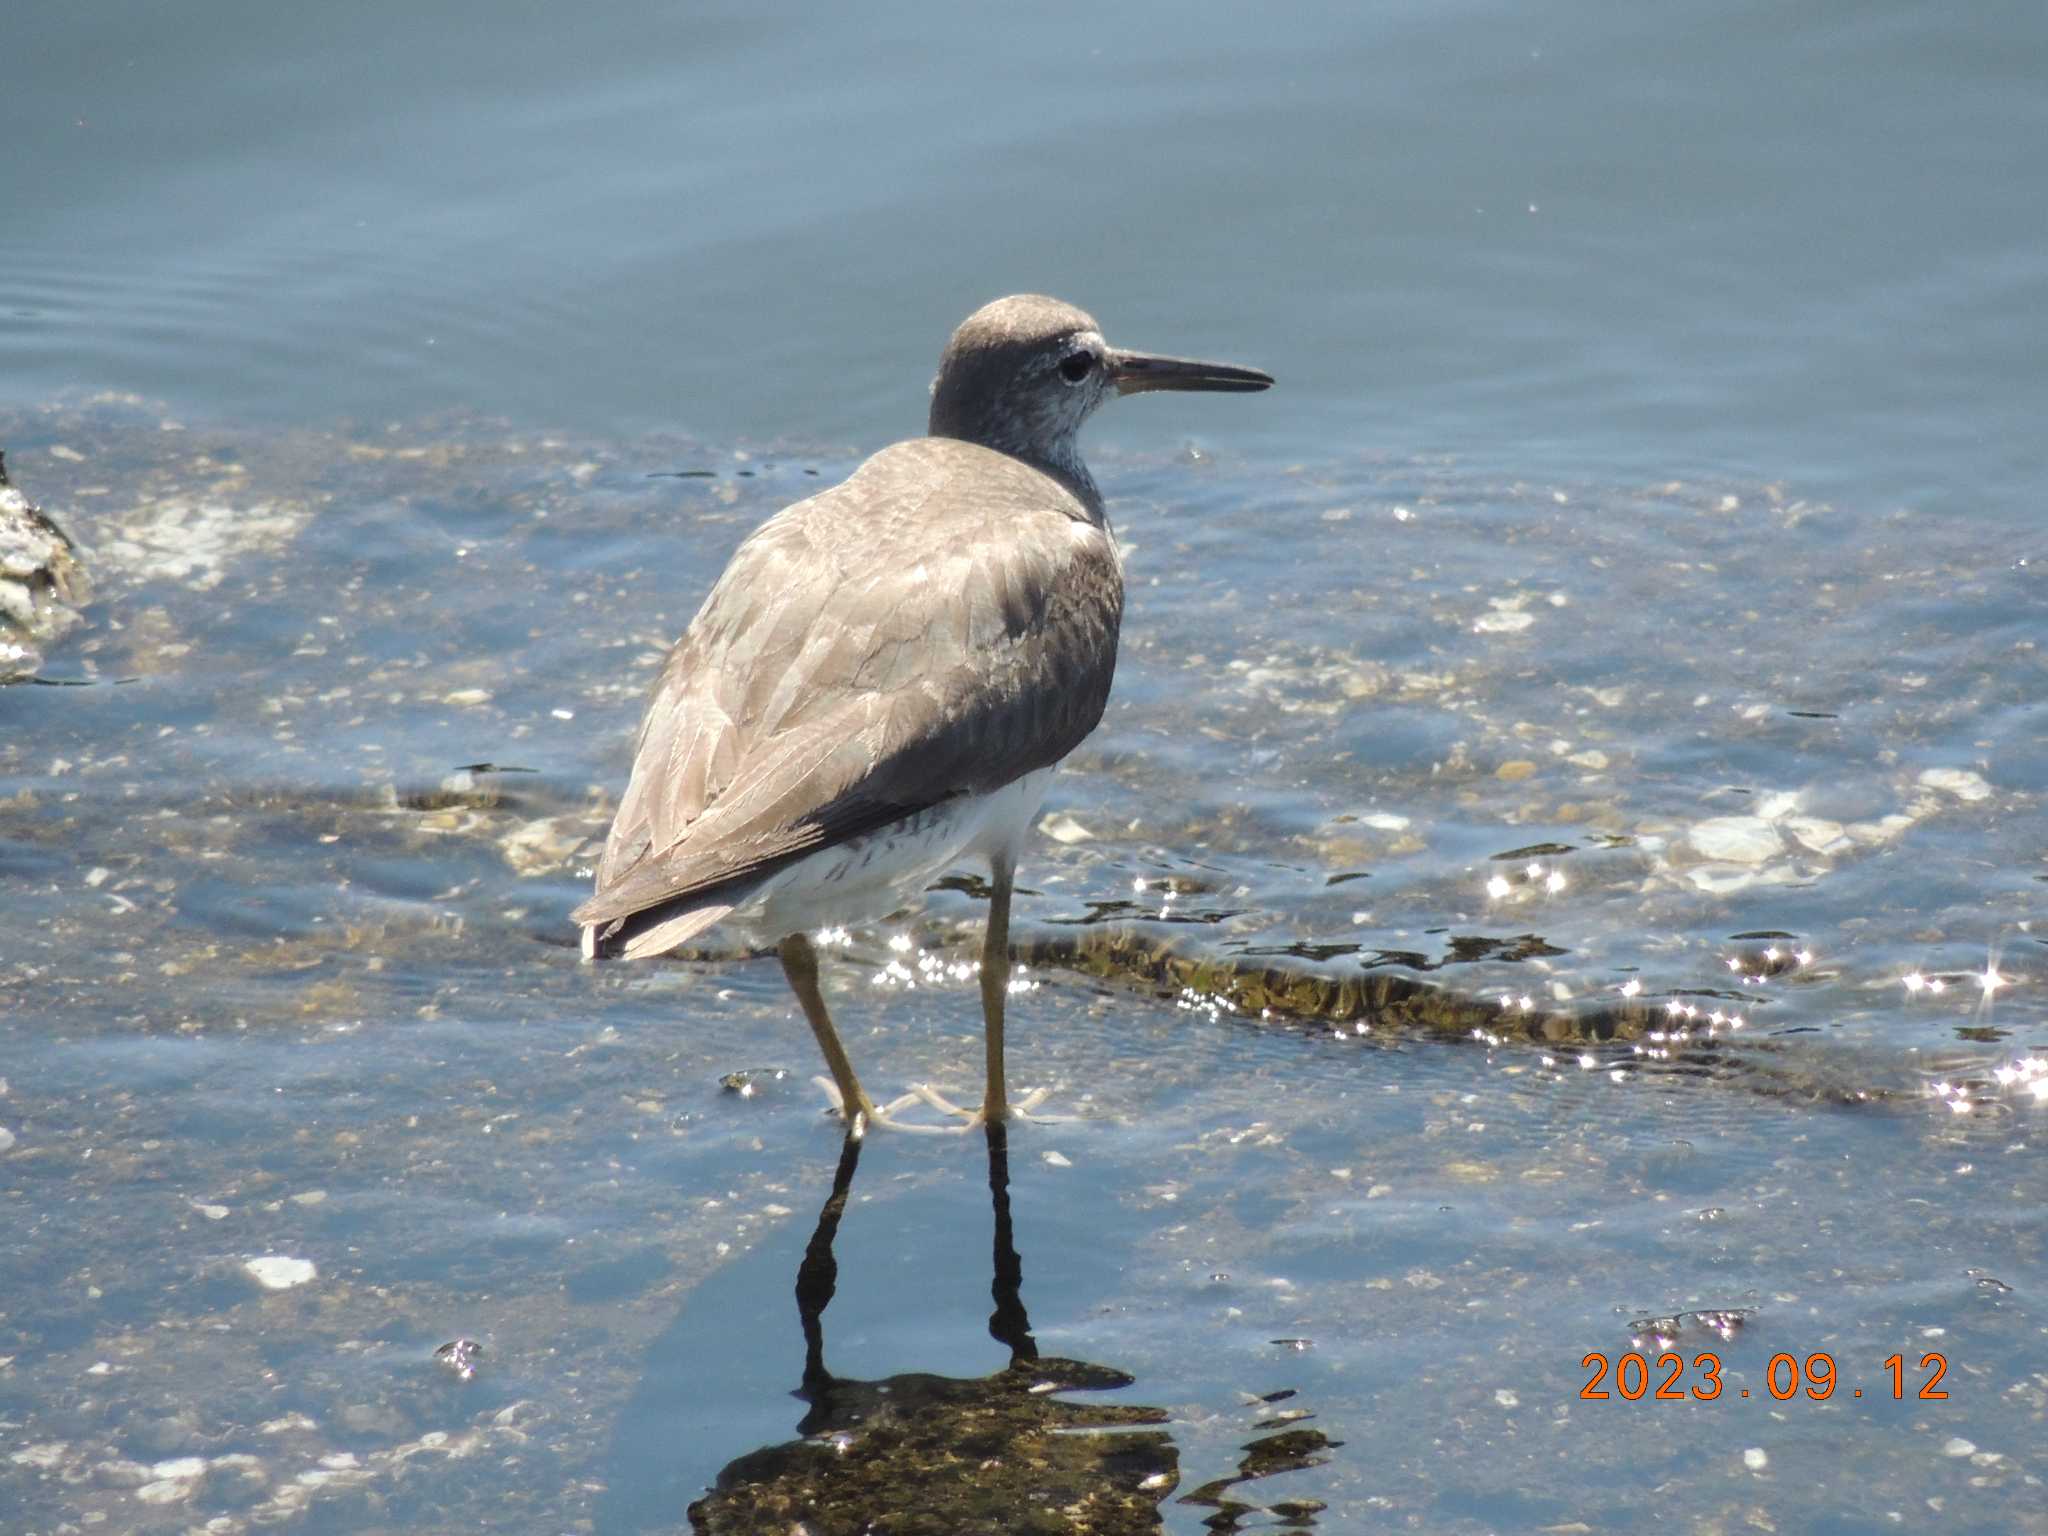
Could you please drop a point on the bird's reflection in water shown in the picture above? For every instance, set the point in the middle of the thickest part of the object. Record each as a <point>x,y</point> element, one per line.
<point>915,1453</point>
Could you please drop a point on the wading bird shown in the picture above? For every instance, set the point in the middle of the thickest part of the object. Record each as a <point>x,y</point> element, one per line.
<point>885,676</point>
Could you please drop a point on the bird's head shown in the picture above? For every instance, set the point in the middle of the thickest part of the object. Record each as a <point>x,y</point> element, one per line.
<point>1022,374</point>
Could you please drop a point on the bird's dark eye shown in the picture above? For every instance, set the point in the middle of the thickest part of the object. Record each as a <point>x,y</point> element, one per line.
<point>1076,366</point>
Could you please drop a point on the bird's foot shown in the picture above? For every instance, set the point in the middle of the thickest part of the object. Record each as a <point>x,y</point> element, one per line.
<point>1019,1111</point>
<point>868,1116</point>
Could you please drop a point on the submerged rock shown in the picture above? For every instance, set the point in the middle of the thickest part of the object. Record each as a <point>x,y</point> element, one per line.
<point>42,583</point>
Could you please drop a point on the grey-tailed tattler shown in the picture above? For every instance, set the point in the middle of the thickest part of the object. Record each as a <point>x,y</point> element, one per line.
<point>885,676</point>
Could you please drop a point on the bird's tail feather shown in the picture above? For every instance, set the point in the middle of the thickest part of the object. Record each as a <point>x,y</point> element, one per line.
<point>652,932</point>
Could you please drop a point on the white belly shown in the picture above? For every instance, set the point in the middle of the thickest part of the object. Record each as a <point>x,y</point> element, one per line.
<point>871,876</point>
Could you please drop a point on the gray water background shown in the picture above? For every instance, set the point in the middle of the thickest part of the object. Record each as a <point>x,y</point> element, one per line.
<point>1657,439</point>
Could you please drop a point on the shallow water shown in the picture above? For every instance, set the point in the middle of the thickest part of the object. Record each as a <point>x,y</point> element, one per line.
<point>1562,870</point>
<point>295,982</point>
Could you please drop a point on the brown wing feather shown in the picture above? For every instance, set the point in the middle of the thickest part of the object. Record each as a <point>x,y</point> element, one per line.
<point>940,624</point>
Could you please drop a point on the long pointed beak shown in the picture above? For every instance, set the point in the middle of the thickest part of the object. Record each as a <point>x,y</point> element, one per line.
<point>1135,372</point>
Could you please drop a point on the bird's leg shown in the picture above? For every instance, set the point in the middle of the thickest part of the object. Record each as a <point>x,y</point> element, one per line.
<point>995,985</point>
<point>995,992</point>
<point>800,966</point>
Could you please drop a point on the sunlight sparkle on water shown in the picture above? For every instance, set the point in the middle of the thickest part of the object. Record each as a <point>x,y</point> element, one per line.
<point>894,974</point>
<point>933,969</point>
<point>1955,1095</point>
<point>2028,1075</point>
<point>1192,1000</point>
<point>1552,881</point>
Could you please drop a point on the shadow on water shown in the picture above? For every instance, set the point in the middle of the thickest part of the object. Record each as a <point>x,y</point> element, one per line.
<point>912,1451</point>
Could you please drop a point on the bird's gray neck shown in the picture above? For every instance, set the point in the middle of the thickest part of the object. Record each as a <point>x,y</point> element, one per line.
<point>1068,469</point>
<point>1054,452</point>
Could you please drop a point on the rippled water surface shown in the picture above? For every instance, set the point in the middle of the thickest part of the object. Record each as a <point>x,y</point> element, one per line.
<point>1563,872</point>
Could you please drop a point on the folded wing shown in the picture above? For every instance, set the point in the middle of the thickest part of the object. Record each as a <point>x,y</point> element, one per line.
<point>940,624</point>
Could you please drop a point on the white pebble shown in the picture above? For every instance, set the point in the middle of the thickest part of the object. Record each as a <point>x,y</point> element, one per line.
<point>1960,782</point>
<point>1062,828</point>
<point>1503,621</point>
<point>276,1273</point>
<point>1756,1458</point>
<point>1737,839</point>
<point>1817,833</point>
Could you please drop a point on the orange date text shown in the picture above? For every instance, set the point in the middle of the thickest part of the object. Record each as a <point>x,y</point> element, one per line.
<point>1671,1377</point>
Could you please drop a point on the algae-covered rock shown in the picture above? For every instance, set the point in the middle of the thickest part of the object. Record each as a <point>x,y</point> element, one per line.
<point>42,583</point>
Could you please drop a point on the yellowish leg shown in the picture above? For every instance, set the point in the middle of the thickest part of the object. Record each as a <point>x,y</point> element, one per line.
<point>995,988</point>
<point>995,992</point>
<point>800,965</point>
